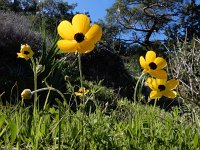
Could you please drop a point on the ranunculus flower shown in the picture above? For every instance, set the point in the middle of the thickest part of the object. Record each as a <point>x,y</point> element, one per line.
<point>25,52</point>
<point>81,92</point>
<point>78,36</point>
<point>153,65</point>
<point>162,87</point>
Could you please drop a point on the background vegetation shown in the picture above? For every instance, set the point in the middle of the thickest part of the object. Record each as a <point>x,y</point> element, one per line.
<point>109,119</point>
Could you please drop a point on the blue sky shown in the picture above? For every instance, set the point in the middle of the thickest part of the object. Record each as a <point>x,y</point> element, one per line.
<point>96,8</point>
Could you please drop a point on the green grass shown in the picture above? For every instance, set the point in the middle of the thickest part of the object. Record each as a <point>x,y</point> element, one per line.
<point>129,126</point>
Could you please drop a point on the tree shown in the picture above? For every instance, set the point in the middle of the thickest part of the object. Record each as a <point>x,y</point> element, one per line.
<point>140,19</point>
<point>188,24</point>
<point>54,11</point>
<point>51,12</point>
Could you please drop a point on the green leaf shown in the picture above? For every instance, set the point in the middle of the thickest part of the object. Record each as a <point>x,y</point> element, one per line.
<point>195,141</point>
<point>2,119</point>
<point>13,128</point>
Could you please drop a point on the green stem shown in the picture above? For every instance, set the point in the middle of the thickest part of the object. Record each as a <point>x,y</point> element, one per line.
<point>81,81</point>
<point>136,86</point>
<point>35,99</point>
<point>35,87</point>
<point>51,89</point>
<point>81,75</point>
<point>80,69</point>
<point>59,127</point>
<point>155,103</point>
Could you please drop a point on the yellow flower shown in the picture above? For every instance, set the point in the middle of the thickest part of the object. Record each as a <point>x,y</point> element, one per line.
<point>78,36</point>
<point>26,94</point>
<point>153,65</point>
<point>25,52</point>
<point>81,92</point>
<point>162,87</point>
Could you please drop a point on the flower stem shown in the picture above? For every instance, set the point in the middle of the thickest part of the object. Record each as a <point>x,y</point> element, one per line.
<point>51,89</point>
<point>59,108</point>
<point>80,69</point>
<point>35,86</point>
<point>155,102</point>
<point>136,86</point>
<point>81,75</point>
<point>81,81</point>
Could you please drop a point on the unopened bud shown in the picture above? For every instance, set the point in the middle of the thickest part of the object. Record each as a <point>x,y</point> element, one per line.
<point>67,78</point>
<point>26,94</point>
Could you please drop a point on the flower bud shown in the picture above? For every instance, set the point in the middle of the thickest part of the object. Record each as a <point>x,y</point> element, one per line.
<point>26,94</point>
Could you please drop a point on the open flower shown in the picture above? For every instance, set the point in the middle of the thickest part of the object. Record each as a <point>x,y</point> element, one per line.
<point>25,52</point>
<point>78,36</point>
<point>162,87</point>
<point>81,92</point>
<point>154,65</point>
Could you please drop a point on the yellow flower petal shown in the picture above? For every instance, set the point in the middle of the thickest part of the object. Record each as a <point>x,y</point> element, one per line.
<point>172,84</point>
<point>67,45</point>
<point>149,83</point>
<point>65,30</point>
<point>25,52</point>
<point>154,84</point>
<point>155,94</point>
<point>86,46</point>
<point>160,62</point>
<point>20,55</point>
<point>150,57</point>
<point>143,62</point>
<point>94,33</point>
<point>86,91</point>
<point>161,81</point>
<point>169,93</point>
<point>160,74</point>
<point>81,92</point>
<point>81,23</point>
<point>78,94</point>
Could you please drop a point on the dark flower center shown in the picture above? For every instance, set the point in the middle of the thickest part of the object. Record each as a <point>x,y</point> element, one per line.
<point>26,52</point>
<point>161,87</point>
<point>152,65</point>
<point>79,37</point>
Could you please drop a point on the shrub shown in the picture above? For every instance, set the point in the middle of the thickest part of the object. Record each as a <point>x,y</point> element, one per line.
<point>103,64</point>
<point>15,30</point>
<point>185,65</point>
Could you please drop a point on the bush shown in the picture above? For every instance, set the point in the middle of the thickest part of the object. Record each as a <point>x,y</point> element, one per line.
<point>103,64</point>
<point>185,66</point>
<point>15,30</point>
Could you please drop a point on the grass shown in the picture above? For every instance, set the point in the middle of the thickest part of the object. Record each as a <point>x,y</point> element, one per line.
<point>129,126</point>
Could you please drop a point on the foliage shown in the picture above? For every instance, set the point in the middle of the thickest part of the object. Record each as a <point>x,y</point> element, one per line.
<point>130,126</point>
<point>49,11</point>
<point>101,119</point>
<point>149,23</point>
<point>106,65</point>
<point>15,30</point>
<point>185,61</point>
<point>188,24</point>
<point>141,19</point>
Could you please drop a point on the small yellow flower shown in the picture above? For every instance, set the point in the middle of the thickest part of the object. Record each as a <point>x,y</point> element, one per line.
<point>26,94</point>
<point>153,65</point>
<point>78,36</point>
<point>25,52</point>
<point>162,87</point>
<point>81,92</point>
